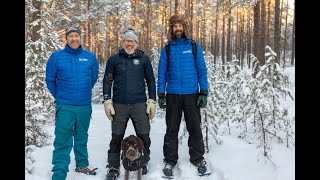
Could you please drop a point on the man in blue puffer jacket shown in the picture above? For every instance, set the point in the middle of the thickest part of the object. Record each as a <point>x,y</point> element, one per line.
<point>70,76</point>
<point>182,87</point>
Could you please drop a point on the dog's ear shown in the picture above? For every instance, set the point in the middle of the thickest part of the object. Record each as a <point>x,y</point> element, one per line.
<point>123,144</point>
<point>140,144</point>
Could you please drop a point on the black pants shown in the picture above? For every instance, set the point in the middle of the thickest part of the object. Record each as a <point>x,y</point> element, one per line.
<point>124,112</point>
<point>175,105</point>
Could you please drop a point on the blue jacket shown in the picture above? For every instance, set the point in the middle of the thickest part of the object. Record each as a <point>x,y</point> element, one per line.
<point>185,74</point>
<point>129,76</point>
<point>71,75</point>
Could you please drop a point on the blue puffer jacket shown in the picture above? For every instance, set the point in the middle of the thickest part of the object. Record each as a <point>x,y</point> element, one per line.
<point>71,75</point>
<point>185,75</point>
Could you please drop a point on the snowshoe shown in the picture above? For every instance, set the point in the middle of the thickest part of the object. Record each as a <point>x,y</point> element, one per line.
<point>202,168</point>
<point>113,174</point>
<point>86,170</point>
<point>167,170</point>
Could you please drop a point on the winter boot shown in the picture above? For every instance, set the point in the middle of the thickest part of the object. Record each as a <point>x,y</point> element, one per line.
<point>145,169</point>
<point>201,167</point>
<point>86,170</point>
<point>167,170</point>
<point>113,173</point>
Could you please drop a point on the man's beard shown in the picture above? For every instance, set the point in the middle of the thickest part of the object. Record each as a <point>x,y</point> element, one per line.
<point>129,51</point>
<point>180,35</point>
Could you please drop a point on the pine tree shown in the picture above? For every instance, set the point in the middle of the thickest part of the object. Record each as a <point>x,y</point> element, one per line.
<point>97,91</point>
<point>269,118</point>
<point>209,115</point>
<point>39,106</point>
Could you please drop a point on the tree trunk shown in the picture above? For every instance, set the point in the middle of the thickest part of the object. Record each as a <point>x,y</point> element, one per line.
<point>216,39</point>
<point>237,36</point>
<point>242,43</point>
<point>277,30</point>
<point>293,36</point>
<point>262,33</point>
<point>148,24</point>
<point>89,28</point>
<point>223,42</point>
<point>268,23</point>
<point>176,7</point>
<point>204,28</point>
<point>36,17</point>
<point>249,40</point>
<point>186,8</point>
<point>134,13</point>
<point>256,39</point>
<point>229,34</point>
<point>285,37</point>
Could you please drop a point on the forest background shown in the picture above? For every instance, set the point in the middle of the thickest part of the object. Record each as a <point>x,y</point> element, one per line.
<point>247,45</point>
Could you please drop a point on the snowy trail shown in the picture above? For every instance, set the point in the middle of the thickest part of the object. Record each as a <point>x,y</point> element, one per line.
<point>233,160</point>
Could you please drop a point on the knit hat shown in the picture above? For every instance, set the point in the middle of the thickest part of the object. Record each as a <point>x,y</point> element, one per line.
<point>178,18</point>
<point>129,33</point>
<point>72,29</point>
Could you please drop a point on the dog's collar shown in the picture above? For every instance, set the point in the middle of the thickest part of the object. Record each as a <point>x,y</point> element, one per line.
<point>132,165</point>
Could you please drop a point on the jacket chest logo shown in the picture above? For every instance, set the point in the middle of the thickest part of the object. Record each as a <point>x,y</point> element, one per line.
<point>83,59</point>
<point>136,62</point>
<point>187,52</point>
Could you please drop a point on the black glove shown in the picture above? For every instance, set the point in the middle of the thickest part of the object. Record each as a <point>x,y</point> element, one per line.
<point>162,100</point>
<point>202,99</point>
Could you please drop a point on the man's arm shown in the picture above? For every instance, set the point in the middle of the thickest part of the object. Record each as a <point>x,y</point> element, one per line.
<point>51,75</point>
<point>108,79</point>
<point>201,69</point>
<point>149,76</point>
<point>162,71</point>
<point>95,72</point>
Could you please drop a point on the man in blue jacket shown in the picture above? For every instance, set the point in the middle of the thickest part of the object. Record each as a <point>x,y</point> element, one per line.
<point>70,76</point>
<point>182,87</point>
<point>128,72</point>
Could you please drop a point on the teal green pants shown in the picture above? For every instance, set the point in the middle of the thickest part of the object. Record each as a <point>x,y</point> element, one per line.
<point>71,131</point>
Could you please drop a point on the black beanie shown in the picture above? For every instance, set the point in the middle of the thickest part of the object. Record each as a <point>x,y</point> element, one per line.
<point>72,29</point>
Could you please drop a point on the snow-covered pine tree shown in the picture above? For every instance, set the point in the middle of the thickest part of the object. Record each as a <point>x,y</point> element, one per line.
<point>154,58</point>
<point>236,103</point>
<point>210,118</point>
<point>221,96</point>
<point>267,89</point>
<point>97,91</point>
<point>39,106</point>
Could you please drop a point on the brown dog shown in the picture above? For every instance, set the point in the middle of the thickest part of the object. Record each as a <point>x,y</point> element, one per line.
<point>132,155</point>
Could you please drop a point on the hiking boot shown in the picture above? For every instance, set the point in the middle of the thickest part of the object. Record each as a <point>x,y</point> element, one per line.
<point>113,173</point>
<point>167,170</point>
<point>86,170</point>
<point>145,169</point>
<point>202,168</point>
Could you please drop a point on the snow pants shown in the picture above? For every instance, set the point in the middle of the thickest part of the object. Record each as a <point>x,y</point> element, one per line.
<point>71,131</point>
<point>175,105</point>
<point>140,120</point>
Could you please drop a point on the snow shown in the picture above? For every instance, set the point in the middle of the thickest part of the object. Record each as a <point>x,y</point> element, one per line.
<point>234,159</point>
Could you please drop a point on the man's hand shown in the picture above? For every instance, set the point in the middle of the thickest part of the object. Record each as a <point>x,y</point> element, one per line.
<point>162,100</point>
<point>151,108</point>
<point>202,99</point>
<point>108,108</point>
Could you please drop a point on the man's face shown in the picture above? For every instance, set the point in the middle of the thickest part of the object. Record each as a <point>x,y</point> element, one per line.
<point>129,45</point>
<point>73,40</point>
<point>177,29</point>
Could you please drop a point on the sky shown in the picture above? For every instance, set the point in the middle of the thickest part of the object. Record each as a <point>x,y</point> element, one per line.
<point>234,159</point>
